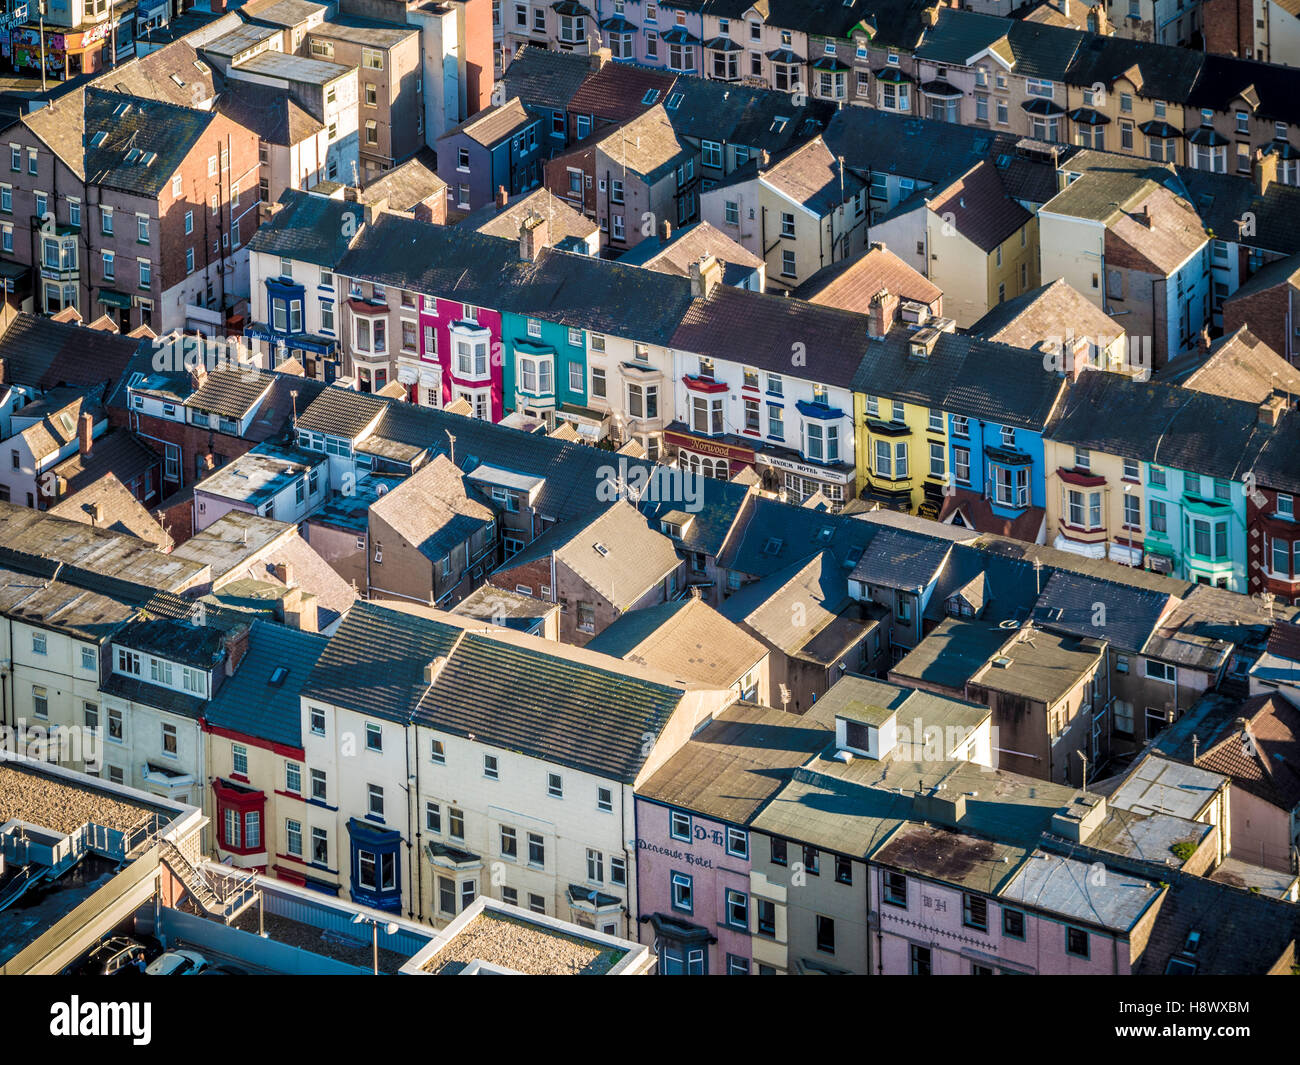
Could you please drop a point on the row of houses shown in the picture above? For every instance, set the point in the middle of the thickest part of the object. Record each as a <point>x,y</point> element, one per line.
<point>996,434</point>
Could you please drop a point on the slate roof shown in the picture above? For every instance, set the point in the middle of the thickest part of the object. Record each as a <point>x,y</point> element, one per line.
<point>1128,618</point>
<point>1161,423</point>
<point>432,511</point>
<point>38,351</point>
<point>760,119</point>
<point>250,703</point>
<point>963,375</point>
<point>1236,366</point>
<point>375,663</point>
<point>564,221</point>
<point>905,146</point>
<point>981,210</point>
<point>230,392</point>
<point>544,78</point>
<point>118,452</point>
<point>146,142</point>
<point>689,245</point>
<point>646,145</point>
<point>411,183</point>
<point>1241,934</point>
<point>767,326</point>
<point>341,412</point>
<point>792,607</point>
<point>271,113</point>
<point>811,177</point>
<point>896,558</point>
<point>1278,463</point>
<point>119,510</point>
<point>531,696</point>
<point>309,228</point>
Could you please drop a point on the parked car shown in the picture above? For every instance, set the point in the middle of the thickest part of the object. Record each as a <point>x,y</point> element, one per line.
<point>118,954</point>
<point>177,963</point>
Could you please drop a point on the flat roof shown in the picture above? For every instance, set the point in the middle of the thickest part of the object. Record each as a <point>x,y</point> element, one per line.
<point>294,68</point>
<point>1070,888</point>
<point>65,803</point>
<point>1159,785</point>
<point>260,474</point>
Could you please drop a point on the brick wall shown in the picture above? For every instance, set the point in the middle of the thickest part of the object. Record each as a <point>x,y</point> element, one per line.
<point>1264,312</point>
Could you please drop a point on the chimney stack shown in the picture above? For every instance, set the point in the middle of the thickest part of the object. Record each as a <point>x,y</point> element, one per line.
<point>706,275</point>
<point>1270,411</point>
<point>665,231</point>
<point>1265,170</point>
<point>881,313</point>
<point>763,159</point>
<point>236,647</point>
<point>534,235</point>
<point>599,58</point>
<point>85,432</point>
<point>284,573</point>
<point>503,197</point>
<point>300,611</point>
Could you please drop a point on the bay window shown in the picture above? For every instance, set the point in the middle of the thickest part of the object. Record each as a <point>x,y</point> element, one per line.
<point>643,401</point>
<point>1011,486</point>
<point>891,460</point>
<point>536,376</point>
<point>706,415</point>
<point>472,356</point>
<point>823,442</point>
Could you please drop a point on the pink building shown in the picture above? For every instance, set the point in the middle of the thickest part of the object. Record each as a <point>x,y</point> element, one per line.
<point>952,904</point>
<point>461,343</point>
<point>693,887</point>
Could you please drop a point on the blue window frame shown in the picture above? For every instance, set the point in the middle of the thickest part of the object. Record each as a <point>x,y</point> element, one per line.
<point>376,866</point>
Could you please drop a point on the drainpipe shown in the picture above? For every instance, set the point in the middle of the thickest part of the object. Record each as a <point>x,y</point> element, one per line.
<point>419,846</point>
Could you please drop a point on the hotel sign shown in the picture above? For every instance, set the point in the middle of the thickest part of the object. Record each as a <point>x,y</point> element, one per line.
<point>819,473</point>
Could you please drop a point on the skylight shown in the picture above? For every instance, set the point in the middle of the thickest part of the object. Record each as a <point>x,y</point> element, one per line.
<point>650,97</point>
<point>98,139</point>
<point>675,101</point>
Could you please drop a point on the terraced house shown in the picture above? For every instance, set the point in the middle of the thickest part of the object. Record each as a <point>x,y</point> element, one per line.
<point>424,745</point>
<point>1159,480</point>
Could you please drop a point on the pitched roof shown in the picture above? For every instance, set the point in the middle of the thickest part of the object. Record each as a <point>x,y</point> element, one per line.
<point>1166,424</point>
<point>981,210</point>
<point>494,124</point>
<point>41,352</point>
<point>811,176</point>
<point>792,607</point>
<point>614,551</point>
<point>413,182</point>
<point>1129,616</point>
<point>375,663</point>
<point>735,764</point>
<point>309,228</point>
<point>564,221</point>
<point>107,504</point>
<point>1236,366</point>
<point>767,325</point>
<point>1265,760</point>
<point>688,246</point>
<point>898,558</point>
<point>118,454</point>
<point>619,91</point>
<point>646,145</point>
<point>525,694</point>
<point>544,78</point>
<point>260,701</point>
<point>144,142</point>
<point>230,392</point>
<point>686,638</point>
<point>851,283</point>
<point>431,509</point>
<point>1056,309</point>
<point>270,112</point>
